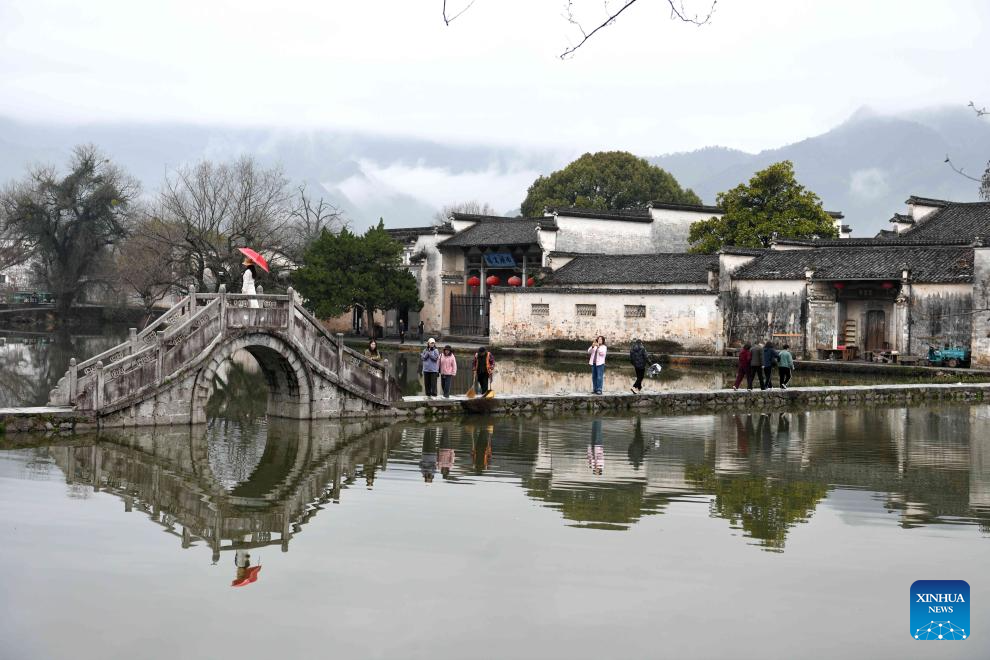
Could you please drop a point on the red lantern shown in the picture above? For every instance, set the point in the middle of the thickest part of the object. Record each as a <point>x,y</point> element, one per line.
<point>492,280</point>
<point>514,281</point>
<point>530,282</point>
<point>887,285</point>
<point>474,282</point>
<point>839,285</point>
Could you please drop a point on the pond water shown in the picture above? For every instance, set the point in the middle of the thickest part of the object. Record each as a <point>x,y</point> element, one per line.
<point>769,536</point>
<point>31,364</point>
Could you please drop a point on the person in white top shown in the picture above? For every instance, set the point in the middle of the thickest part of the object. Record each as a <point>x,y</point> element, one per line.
<point>247,282</point>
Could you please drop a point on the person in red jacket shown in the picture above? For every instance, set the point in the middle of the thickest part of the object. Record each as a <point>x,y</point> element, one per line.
<point>745,355</point>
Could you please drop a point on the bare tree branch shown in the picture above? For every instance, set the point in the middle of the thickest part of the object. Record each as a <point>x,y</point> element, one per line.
<point>959,170</point>
<point>979,111</point>
<point>450,19</point>
<point>677,11</point>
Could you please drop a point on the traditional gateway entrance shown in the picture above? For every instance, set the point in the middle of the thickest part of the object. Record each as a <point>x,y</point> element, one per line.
<point>469,314</point>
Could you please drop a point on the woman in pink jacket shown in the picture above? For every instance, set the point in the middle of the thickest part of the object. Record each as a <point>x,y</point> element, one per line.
<point>448,369</point>
<point>596,358</point>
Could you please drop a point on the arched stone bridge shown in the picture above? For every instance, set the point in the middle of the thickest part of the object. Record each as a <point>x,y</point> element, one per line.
<point>165,373</point>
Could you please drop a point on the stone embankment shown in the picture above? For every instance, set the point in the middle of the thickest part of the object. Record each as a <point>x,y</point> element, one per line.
<point>686,401</point>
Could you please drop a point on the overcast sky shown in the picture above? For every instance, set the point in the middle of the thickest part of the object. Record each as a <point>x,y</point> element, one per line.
<point>761,74</point>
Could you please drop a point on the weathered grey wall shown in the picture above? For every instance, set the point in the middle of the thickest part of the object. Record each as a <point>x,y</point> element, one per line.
<point>980,337</point>
<point>754,316</point>
<point>940,318</point>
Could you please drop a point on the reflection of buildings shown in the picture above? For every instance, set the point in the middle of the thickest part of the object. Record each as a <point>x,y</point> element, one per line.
<point>763,473</point>
<point>172,477</point>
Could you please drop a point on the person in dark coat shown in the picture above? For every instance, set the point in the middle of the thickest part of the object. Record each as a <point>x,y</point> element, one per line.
<point>483,367</point>
<point>755,366</point>
<point>640,359</point>
<point>742,369</point>
<point>769,359</point>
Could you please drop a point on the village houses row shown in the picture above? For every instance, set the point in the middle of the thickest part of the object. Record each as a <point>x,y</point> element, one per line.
<point>573,274</point>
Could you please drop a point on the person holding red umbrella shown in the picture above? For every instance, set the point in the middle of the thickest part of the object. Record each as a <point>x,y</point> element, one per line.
<point>252,260</point>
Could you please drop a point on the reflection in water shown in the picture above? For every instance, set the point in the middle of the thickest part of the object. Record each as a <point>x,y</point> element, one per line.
<point>242,487</point>
<point>32,363</point>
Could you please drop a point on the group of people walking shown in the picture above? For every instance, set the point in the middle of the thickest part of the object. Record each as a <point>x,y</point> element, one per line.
<point>758,362</point>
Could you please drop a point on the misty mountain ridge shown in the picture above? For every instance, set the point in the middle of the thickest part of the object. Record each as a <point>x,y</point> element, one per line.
<point>865,167</point>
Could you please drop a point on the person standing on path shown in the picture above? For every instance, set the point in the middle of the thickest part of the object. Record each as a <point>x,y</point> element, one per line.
<point>448,369</point>
<point>422,329</point>
<point>596,358</point>
<point>742,369</point>
<point>430,358</point>
<point>372,352</point>
<point>769,359</point>
<point>402,331</point>
<point>483,368</point>
<point>785,366</point>
<point>639,358</point>
<point>755,366</point>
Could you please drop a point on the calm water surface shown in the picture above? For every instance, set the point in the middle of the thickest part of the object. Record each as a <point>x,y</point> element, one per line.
<point>744,536</point>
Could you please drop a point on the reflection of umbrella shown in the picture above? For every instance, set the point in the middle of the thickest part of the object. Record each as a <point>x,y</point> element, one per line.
<point>255,257</point>
<point>250,575</point>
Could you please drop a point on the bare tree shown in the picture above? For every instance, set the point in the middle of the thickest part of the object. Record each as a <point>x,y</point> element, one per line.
<point>472,206</point>
<point>146,265</point>
<point>612,11</point>
<point>983,180</point>
<point>211,209</point>
<point>308,219</point>
<point>71,222</point>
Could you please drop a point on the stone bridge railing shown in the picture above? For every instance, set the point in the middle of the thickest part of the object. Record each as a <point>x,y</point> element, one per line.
<point>186,334</point>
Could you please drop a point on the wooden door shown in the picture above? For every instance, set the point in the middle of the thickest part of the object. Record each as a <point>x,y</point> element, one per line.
<point>876,330</point>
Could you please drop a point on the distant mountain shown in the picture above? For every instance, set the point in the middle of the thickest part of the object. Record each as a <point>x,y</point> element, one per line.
<point>404,180</point>
<point>865,167</point>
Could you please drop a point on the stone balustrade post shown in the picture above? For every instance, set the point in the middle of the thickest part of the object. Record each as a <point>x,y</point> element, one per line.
<point>223,308</point>
<point>290,292</point>
<point>100,383</point>
<point>340,354</point>
<point>160,357</point>
<point>192,302</point>
<point>132,341</point>
<point>73,381</point>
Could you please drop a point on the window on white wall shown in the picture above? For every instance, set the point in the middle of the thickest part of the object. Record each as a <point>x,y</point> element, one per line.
<point>587,310</point>
<point>539,309</point>
<point>635,311</point>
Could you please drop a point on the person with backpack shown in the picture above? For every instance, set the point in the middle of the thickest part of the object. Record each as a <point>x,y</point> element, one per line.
<point>769,359</point>
<point>483,368</point>
<point>640,359</point>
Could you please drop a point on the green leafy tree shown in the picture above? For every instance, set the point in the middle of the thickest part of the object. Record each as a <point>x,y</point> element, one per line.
<point>342,271</point>
<point>71,221</point>
<point>605,181</point>
<point>772,203</point>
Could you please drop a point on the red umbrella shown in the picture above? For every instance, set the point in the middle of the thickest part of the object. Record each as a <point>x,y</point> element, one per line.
<point>250,575</point>
<point>255,257</point>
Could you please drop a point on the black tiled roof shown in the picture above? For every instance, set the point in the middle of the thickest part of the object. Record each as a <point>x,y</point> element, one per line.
<point>492,230</point>
<point>628,215</point>
<point>663,268</point>
<point>926,263</point>
<point>902,218</point>
<point>545,222</point>
<point>955,221</point>
<point>698,208</point>
<point>927,201</point>
<point>409,234</point>
<point>881,240</point>
<point>591,290</point>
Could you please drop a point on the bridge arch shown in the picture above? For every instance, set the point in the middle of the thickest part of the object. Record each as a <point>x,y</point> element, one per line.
<point>290,383</point>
